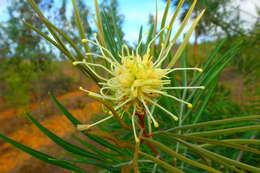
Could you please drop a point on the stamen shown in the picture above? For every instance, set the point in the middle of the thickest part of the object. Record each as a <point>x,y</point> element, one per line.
<point>160,60</point>
<point>103,94</point>
<point>95,73</point>
<point>150,82</point>
<point>149,113</point>
<point>175,98</point>
<point>102,48</point>
<point>82,127</point>
<point>179,69</point>
<point>138,46</point>
<point>96,95</point>
<point>100,56</point>
<point>155,37</point>
<point>159,106</point>
<point>161,52</point>
<point>133,124</point>
<point>84,40</point>
<point>194,87</point>
<point>96,65</point>
<point>122,104</point>
<point>149,125</point>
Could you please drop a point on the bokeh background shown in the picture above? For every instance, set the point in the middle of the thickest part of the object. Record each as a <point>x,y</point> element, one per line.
<point>30,67</point>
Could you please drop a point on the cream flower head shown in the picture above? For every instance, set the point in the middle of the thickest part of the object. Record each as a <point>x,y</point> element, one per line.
<point>137,81</point>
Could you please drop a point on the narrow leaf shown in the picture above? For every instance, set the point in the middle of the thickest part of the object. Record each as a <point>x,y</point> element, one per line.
<point>225,131</point>
<point>219,158</point>
<point>216,142</point>
<point>64,144</point>
<point>185,41</point>
<point>41,156</point>
<point>79,24</point>
<point>161,163</point>
<point>75,122</point>
<point>181,157</point>
<point>215,122</point>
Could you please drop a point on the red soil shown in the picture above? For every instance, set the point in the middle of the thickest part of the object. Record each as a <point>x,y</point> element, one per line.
<point>13,160</point>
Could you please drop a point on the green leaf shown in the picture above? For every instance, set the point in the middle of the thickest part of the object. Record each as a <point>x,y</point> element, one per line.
<point>165,14</point>
<point>79,24</point>
<point>44,20</point>
<point>174,16</point>
<point>185,41</point>
<point>149,36</point>
<point>72,119</point>
<point>44,157</point>
<point>75,122</point>
<point>99,24</point>
<point>81,160</point>
<point>215,122</point>
<point>97,150</point>
<point>181,157</point>
<point>66,145</point>
<point>237,141</point>
<point>221,159</point>
<point>202,106</point>
<point>215,142</point>
<point>53,29</point>
<point>53,42</point>
<point>225,131</point>
<point>161,163</point>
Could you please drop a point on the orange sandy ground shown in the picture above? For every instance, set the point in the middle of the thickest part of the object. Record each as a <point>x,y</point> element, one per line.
<point>11,158</point>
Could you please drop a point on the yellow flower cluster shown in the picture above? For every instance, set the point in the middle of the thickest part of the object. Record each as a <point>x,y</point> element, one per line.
<point>135,83</point>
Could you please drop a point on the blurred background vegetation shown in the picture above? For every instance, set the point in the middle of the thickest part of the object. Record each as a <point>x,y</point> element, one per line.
<point>30,68</point>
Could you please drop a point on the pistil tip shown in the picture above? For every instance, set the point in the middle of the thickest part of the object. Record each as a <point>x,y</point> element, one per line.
<point>84,40</point>
<point>190,105</point>
<point>82,127</point>
<point>200,70</point>
<point>74,63</point>
<point>156,124</point>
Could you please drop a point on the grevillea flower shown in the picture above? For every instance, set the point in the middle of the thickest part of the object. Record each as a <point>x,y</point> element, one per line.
<point>136,81</point>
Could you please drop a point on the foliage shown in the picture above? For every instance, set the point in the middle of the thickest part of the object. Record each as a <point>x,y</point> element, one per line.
<point>111,13</point>
<point>20,66</point>
<point>24,74</point>
<point>220,16</point>
<point>188,145</point>
<point>16,89</point>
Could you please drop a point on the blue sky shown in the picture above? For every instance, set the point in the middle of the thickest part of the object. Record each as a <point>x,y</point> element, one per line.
<point>136,13</point>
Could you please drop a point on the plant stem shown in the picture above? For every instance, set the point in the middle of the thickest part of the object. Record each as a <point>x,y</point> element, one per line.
<point>135,158</point>
<point>141,117</point>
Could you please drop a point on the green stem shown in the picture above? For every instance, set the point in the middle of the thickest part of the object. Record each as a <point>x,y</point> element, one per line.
<point>135,158</point>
